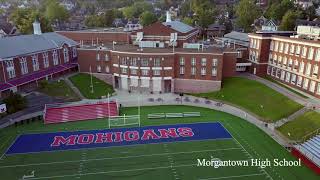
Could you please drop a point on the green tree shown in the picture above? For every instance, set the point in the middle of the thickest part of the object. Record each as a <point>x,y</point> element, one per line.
<point>205,12</point>
<point>15,102</point>
<point>23,19</point>
<point>188,21</point>
<point>147,18</point>
<point>137,9</point>
<point>246,13</point>
<point>279,8</point>
<point>289,20</point>
<point>55,12</point>
<point>128,12</point>
<point>109,17</point>
<point>94,21</point>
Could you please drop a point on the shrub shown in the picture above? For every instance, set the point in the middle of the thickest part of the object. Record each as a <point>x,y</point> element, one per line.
<point>15,102</point>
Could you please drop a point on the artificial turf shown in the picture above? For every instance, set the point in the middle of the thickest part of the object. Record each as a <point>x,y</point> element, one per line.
<point>83,82</point>
<point>255,97</point>
<point>300,127</point>
<point>152,161</point>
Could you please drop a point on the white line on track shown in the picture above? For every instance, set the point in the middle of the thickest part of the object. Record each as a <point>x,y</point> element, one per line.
<point>115,171</point>
<point>112,158</point>
<point>228,177</point>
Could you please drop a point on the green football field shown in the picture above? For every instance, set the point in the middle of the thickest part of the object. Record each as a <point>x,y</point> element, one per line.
<point>153,161</point>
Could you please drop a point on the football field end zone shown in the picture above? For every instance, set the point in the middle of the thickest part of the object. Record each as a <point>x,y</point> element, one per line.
<point>48,142</point>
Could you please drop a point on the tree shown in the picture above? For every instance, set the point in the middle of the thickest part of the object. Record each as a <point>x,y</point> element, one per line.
<point>94,21</point>
<point>137,9</point>
<point>278,9</point>
<point>289,20</point>
<point>55,12</point>
<point>128,12</point>
<point>246,13</point>
<point>109,17</point>
<point>188,21</point>
<point>147,18</point>
<point>15,102</point>
<point>23,19</point>
<point>205,12</point>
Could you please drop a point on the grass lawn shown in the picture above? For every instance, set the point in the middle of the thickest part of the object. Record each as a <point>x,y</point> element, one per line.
<point>153,161</point>
<point>301,126</point>
<point>282,85</point>
<point>254,97</point>
<point>82,82</point>
<point>59,90</point>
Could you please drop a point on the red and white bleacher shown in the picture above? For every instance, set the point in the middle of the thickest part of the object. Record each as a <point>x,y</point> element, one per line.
<point>59,113</point>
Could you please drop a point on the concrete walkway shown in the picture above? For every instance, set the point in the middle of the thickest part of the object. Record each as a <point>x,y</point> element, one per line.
<point>70,84</point>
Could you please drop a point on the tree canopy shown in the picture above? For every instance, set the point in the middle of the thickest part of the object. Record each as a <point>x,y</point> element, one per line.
<point>147,18</point>
<point>55,12</point>
<point>246,13</point>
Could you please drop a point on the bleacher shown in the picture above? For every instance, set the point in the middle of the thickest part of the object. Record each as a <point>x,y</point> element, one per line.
<point>311,149</point>
<point>68,113</point>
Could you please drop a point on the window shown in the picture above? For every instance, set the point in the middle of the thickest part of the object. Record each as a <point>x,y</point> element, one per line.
<point>157,62</point>
<point>99,69</point>
<point>299,82</point>
<point>55,57</point>
<point>271,45</point>
<point>286,48</point>
<point>285,61</point>
<point>305,83</point>
<point>315,71</point>
<point>283,73</point>
<point>301,68</point>
<point>133,62</point>
<point>312,86</point>
<point>23,65</point>
<point>106,57</point>
<point>144,62</point>
<point>278,73</point>
<point>268,70</point>
<point>275,58</point>
<point>133,71</point>
<point>318,89</point>
<point>181,70</point>
<point>123,61</point>
<point>270,58</point>
<point>65,55</point>
<point>98,57</point>
<point>145,72</point>
<point>35,63</point>
<point>251,43</point>
<point>124,70</point>
<point>156,72</point>
<point>193,71</point>
<point>45,60</point>
<point>276,46</point>
<point>74,52</point>
<point>214,71</point>
<point>203,71</point>
<point>107,69</point>
<point>281,47</point>
<point>296,64</point>
<point>290,63</point>
<point>291,49</point>
<point>298,49</point>
<point>273,71</point>
<point>304,51</point>
<point>203,61</point>
<point>10,69</point>
<point>288,77</point>
<point>310,55</point>
<point>317,58</point>
<point>279,59</point>
<point>193,61</point>
<point>293,79</point>
<point>182,61</point>
<point>308,69</point>
<point>214,62</point>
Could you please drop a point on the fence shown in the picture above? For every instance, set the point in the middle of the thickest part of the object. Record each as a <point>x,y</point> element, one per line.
<point>173,115</point>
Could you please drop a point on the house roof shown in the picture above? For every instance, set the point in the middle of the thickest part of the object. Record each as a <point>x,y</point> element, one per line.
<point>216,27</point>
<point>6,27</point>
<point>178,26</point>
<point>27,44</point>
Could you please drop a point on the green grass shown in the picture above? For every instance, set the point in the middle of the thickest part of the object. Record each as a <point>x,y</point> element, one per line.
<point>301,126</point>
<point>143,161</point>
<point>255,97</point>
<point>282,85</point>
<point>82,82</point>
<point>59,90</point>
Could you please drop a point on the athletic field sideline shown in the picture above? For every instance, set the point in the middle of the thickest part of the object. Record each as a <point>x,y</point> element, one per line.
<point>177,160</point>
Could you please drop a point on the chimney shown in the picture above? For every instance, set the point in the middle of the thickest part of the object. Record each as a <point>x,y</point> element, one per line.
<point>36,27</point>
<point>168,17</point>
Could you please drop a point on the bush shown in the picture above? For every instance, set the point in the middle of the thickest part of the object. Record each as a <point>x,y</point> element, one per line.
<point>15,102</point>
<point>43,84</point>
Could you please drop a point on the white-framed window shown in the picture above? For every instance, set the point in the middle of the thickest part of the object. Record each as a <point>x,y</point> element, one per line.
<point>107,68</point>
<point>157,62</point>
<point>65,55</point>
<point>193,71</point>
<point>299,82</point>
<point>35,63</point>
<point>124,70</point>
<point>317,58</point>
<point>258,43</point>
<point>292,49</point>
<point>214,71</point>
<point>144,62</point>
<point>251,43</point>
<point>182,61</point>
<point>290,63</point>
<point>133,71</point>
<point>286,48</point>
<point>296,65</point>
<point>45,58</point>
<point>312,86</point>
<point>74,52</point>
<point>315,71</point>
<point>278,73</point>
<point>305,83</point>
<point>10,69</point>
<point>276,44</point>
<point>288,77</point>
<point>279,59</point>
<point>133,62</point>
<point>156,72</point>
<point>298,49</point>
<point>55,57</point>
<point>281,47</point>
<point>270,58</point>
<point>310,54</point>
<point>268,70</point>
<point>23,65</point>
<point>293,79</point>
<point>283,73</point>
<point>181,70</point>
<point>284,61</point>
<point>271,45</point>
<point>98,68</point>
<point>304,51</point>
<point>203,71</point>
<point>273,71</point>
<point>318,89</point>
<point>98,56</point>
<point>145,72</point>
<point>308,69</point>
<point>301,68</point>
<point>214,62</point>
<point>193,61</point>
<point>203,61</point>
<point>106,57</point>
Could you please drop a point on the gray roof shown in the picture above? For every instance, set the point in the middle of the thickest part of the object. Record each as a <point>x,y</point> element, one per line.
<point>28,44</point>
<point>237,36</point>
<point>179,26</point>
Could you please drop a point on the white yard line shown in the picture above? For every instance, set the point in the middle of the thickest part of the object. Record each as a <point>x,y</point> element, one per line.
<point>228,177</point>
<point>113,158</point>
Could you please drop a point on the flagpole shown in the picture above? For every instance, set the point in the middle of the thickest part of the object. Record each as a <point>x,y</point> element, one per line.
<point>109,109</point>
<point>91,80</point>
<point>139,108</point>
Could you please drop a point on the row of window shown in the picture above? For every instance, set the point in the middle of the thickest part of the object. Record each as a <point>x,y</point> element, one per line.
<point>254,43</point>
<point>304,68</point>
<point>99,57</point>
<point>144,72</point>
<point>35,62</point>
<point>194,61</point>
<point>254,56</point>
<point>297,50</point>
<point>106,69</point>
<point>294,79</point>
<point>203,71</point>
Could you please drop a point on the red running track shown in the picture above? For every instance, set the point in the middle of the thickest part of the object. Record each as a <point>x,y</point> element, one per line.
<point>305,160</point>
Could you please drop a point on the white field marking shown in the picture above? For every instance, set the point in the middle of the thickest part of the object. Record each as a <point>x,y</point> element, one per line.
<point>268,175</point>
<point>115,171</point>
<point>228,177</point>
<point>112,158</point>
<point>17,136</point>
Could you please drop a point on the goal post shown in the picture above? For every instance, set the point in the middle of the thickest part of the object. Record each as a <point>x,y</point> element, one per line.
<point>124,120</point>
